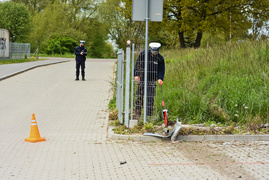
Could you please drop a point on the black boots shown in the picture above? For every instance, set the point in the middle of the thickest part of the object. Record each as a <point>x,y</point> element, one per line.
<point>83,79</point>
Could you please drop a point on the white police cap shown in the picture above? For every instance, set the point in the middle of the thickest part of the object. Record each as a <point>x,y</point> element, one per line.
<point>81,41</point>
<point>154,46</point>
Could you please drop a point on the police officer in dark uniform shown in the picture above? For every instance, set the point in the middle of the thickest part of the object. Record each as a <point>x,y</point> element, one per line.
<point>81,53</point>
<point>156,71</point>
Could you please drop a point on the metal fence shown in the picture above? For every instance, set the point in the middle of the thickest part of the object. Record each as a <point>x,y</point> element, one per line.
<point>16,51</point>
<point>131,93</point>
<point>19,50</point>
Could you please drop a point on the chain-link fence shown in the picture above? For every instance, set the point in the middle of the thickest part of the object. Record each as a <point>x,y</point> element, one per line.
<point>19,50</point>
<point>155,71</point>
<point>15,51</point>
<point>131,85</point>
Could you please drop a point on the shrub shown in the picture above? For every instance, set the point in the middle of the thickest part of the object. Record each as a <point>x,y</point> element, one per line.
<point>61,45</point>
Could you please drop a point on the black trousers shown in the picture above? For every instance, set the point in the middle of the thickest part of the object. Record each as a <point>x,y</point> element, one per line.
<point>151,90</point>
<point>80,64</point>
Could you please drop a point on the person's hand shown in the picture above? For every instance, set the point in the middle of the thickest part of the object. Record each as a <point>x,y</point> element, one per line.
<point>81,53</point>
<point>137,79</point>
<point>160,82</point>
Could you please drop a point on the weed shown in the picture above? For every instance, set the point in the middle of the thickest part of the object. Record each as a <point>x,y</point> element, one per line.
<point>121,130</point>
<point>113,115</point>
<point>149,127</point>
<point>115,123</point>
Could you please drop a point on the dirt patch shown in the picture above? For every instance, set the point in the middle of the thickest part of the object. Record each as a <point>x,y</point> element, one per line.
<point>204,154</point>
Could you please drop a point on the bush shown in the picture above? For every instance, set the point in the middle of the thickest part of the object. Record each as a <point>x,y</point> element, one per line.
<point>61,45</point>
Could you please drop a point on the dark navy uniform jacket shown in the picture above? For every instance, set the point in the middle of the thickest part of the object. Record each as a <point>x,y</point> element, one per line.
<point>78,51</point>
<point>156,66</point>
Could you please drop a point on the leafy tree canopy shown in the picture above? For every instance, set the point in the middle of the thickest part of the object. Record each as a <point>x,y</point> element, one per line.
<point>77,20</point>
<point>186,21</point>
<point>17,19</point>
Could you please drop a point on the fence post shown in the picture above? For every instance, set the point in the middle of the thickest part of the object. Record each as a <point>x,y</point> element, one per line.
<point>119,96</point>
<point>127,85</point>
<point>118,82</point>
<point>29,50</point>
<point>132,82</point>
<point>10,54</point>
<point>121,85</point>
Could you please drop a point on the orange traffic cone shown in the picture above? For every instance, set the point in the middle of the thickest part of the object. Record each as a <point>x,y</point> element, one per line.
<point>34,132</point>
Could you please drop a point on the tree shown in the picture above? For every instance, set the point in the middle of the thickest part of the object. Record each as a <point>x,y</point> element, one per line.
<point>50,23</point>
<point>75,19</point>
<point>97,35</point>
<point>199,16</point>
<point>118,15</point>
<point>259,17</point>
<point>173,14</point>
<point>34,6</point>
<point>17,19</point>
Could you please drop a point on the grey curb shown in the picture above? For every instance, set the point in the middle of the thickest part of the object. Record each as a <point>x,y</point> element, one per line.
<point>189,138</point>
<point>29,66</point>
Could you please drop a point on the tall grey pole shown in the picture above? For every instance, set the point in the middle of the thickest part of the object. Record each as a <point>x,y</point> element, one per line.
<point>122,84</point>
<point>120,81</point>
<point>146,63</point>
<point>132,82</point>
<point>127,85</point>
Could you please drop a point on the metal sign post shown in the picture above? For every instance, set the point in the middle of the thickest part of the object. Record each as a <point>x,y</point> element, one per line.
<point>147,10</point>
<point>146,64</point>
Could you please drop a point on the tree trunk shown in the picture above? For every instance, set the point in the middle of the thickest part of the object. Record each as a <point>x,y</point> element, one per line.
<point>198,40</point>
<point>181,39</point>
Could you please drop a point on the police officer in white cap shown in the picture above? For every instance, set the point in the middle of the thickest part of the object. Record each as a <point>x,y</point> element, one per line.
<point>155,72</point>
<point>81,53</point>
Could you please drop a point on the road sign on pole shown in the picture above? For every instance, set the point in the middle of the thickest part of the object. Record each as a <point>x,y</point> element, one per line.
<point>155,10</point>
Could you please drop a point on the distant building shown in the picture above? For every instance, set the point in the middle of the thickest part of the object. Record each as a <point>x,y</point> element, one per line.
<point>4,43</point>
<point>12,50</point>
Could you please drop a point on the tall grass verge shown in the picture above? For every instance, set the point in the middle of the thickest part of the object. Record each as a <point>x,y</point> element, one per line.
<point>12,61</point>
<point>225,84</point>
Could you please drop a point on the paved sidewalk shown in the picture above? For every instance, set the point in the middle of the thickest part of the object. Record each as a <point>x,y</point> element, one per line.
<point>73,117</point>
<point>8,70</point>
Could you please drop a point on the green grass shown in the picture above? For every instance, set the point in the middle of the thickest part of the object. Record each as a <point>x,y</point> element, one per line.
<point>67,55</point>
<point>223,84</point>
<point>70,55</point>
<point>11,61</point>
